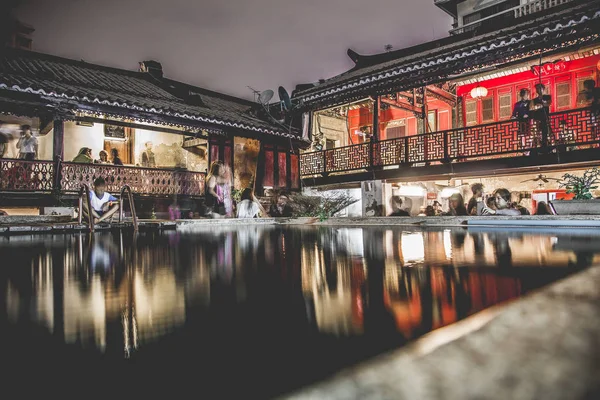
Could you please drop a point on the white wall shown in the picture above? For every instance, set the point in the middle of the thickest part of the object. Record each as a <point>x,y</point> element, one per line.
<point>467,7</point>
<point>167,150</point>
<point>77,136</point>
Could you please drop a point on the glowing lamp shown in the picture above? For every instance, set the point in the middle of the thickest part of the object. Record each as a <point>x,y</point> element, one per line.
<point>479,92</point>
<point>447,192</point>
<point>412,191</point>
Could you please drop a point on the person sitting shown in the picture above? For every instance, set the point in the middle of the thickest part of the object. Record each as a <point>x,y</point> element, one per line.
<point>503,204</point>
<point>543,209</point>
<point>104,205</point>
<point>2,213</point>
<point>457,206</point>
<point>429,211</point>
<point>248,207</point>
<point>397,210</point>
<point>115,157</point>
<point>280,208</point>
<point>103,158</point>
<point>437,207</point>
<point>477,190</point>
<point>84,156</point>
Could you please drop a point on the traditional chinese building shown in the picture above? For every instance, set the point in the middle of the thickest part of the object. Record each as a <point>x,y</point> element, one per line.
<point>73,104</point>
<point>439,114</point>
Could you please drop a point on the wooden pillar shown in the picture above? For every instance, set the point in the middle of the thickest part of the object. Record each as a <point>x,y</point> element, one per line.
<point>288,169</point>
<point>276,150</point>
<point>58,144</point>
<point>425,111</point>
<point>376,108</point>
<point>260,172</point>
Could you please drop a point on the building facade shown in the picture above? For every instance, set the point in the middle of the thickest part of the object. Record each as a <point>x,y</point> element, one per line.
<point>73,104</point>
<point>441,113</point>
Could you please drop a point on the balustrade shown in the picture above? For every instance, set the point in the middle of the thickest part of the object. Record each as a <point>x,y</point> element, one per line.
<point>39,176</point>
<point>26,176</point>
<point>570,129</point>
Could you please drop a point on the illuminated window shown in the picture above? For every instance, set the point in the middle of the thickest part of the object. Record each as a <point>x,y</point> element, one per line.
<point>471,107</point>
<point>505,102</point>
<point>563,95</point>
<point>487,109</point>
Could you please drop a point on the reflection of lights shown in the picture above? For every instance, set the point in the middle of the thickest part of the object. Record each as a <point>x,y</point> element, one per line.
<point>413,247</point>
<point>448,244</point>
<point>412,191</point>
<point>449,191</point>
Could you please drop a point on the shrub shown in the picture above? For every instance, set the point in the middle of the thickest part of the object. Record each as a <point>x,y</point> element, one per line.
<point>581,186</point>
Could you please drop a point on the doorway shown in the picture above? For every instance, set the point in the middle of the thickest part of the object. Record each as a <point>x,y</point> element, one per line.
<point>119,138</point>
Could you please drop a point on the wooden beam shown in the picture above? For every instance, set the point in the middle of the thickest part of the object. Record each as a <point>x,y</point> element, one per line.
<point>441,93</point>
<point>402,104</point>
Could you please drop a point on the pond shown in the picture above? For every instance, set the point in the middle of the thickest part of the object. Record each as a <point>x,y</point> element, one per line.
<point>252,311</point>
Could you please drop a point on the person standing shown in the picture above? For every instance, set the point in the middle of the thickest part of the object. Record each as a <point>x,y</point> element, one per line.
<point>103,158</point>
<point>477,190</point>
<point>115,157</point>
<point>541,113</point>
<point>397,210</point>
<point>148,159</point>
<point>27,144</point>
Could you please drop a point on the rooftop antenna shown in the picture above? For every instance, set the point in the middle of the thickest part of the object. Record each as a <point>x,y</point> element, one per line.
<point>388,48</point>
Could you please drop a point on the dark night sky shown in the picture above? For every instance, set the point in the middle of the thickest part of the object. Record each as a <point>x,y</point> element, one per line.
<point>225,45</point>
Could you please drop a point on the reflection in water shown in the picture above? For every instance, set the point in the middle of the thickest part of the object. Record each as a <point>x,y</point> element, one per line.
<point>117,293</point>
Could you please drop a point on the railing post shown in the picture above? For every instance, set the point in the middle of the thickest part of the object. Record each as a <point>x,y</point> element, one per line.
<point>324,173</point>
<point>446,149</point>
<point>406,158</point>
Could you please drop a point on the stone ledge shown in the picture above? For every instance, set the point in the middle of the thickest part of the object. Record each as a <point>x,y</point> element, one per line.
<point>543,346</point>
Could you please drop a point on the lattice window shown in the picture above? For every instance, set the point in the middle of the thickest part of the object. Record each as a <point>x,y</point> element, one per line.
<point>395,132</point>
<point>563,95</point>
<point>471,112</point>
<point>487,109</point>
<point>505,103</point>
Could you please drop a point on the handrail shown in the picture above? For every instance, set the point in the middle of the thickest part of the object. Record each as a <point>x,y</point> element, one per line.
<point>126,188</point>
<point>85,190</point>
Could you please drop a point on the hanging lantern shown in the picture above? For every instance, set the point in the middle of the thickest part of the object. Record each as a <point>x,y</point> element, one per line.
<point>479,92</point>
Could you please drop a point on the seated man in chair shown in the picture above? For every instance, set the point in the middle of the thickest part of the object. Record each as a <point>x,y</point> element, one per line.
<point>104,205</point>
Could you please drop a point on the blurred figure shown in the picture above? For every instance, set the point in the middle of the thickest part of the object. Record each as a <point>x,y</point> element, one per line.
<point>84,156</point>
<point>429,211</point>
<point>214,196</point>
<point>397,210</point>
<point>589,95</point>
<point>477,190</point>
<point>148,159</point>
<point>27,144</point>
<point>543,209</point>
<point>248,207</point>
<point>115,157</point>
<point>421,212</point>
<point>491,202</point>
<point>2,213</point>
<point>521,107</point>
<point>227,182</point>
<point>280,207</point>
<point>457,206</point>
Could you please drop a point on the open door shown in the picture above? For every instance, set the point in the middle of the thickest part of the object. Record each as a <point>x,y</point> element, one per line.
<point>120,138</point>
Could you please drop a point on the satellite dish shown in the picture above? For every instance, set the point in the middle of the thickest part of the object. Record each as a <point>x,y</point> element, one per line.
<point>265,97</point>
<point>285,98</point>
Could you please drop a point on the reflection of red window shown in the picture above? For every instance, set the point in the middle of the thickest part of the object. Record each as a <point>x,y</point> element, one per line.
<point>214,152</point>
<point>227,155</point>
<point>282,169</point>
<point>294,171</point>
<point>268,177</point>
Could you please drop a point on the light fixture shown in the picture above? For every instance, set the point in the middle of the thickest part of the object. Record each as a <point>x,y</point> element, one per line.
<point>412,191</point>
<point>449,191</point>
<point>478,92</point>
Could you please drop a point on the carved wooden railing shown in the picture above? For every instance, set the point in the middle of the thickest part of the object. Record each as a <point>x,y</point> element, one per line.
<point>26,176</point>
<point>144,181</point>
<point>567,130</point>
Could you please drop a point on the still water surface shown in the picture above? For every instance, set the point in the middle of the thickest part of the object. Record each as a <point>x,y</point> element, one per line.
<point>251,311</point>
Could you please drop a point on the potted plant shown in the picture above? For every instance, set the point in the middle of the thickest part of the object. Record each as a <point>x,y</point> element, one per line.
<point>581,186</point>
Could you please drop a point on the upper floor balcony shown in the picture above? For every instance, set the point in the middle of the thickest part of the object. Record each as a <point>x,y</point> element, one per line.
<point>570,130</point>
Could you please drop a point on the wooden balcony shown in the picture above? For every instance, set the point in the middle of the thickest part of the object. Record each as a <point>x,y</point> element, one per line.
<point>66,178</point>
<point>569,130</point>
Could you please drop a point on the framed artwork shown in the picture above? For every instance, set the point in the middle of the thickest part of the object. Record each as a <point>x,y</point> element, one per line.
<point>113,131</point>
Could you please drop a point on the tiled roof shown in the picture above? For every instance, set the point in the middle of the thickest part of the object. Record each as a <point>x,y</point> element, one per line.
<point>548,33</point>
<point>61,78</point>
